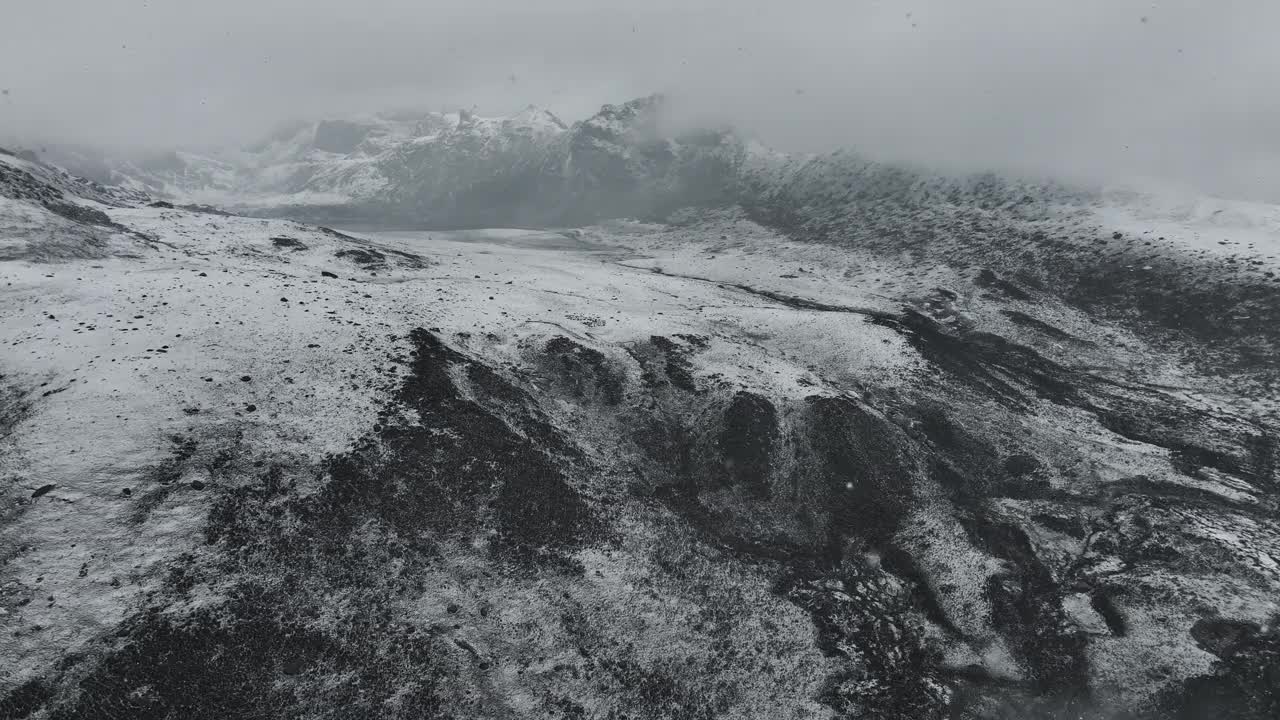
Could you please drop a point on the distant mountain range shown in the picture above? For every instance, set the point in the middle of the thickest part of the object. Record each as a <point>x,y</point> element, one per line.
<point>446,169</point>
<point>458,169</point>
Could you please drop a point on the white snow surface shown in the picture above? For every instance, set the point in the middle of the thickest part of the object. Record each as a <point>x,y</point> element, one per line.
<point>120,343</point>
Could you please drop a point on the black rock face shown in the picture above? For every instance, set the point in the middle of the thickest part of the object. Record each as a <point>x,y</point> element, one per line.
<point>747,440</point>
<point>339,136</point>
<point>1245,683</point>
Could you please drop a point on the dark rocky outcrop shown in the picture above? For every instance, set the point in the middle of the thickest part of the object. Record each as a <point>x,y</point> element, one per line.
<point>339,136</point>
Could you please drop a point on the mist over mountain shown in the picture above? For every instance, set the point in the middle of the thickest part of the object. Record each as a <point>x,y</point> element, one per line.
<point>637,159</point>
<point>888,363</point>
<point>1103,91</point>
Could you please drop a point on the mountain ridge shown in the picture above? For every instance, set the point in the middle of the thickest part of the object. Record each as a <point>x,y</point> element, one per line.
<point>460,169</point>
<point>445,169</point>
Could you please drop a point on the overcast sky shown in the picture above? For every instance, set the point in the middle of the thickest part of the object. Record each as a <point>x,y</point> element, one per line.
<point>1112,88</point>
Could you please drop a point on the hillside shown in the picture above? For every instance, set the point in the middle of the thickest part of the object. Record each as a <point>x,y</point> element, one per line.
<point>861,447</point>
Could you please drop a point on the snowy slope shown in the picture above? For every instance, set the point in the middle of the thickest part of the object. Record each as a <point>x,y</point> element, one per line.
<point>699,468</point>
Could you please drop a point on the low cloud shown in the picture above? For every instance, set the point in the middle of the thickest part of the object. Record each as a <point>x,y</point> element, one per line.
<point>1180,91</point>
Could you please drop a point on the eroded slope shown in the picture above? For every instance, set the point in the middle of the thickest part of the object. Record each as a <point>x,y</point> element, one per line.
<point>256,469</point>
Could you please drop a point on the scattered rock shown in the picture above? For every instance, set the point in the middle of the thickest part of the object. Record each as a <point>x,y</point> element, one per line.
<point>287,242</point>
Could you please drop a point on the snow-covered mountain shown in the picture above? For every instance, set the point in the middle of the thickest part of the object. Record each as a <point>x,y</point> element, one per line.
<point>448,169</point>
<point>829,439</point>
<point>442,170</point>
<point>458,169</point>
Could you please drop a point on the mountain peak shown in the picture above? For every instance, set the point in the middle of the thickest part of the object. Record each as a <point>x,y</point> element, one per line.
<point>637,118</point>
<point>534,116</point>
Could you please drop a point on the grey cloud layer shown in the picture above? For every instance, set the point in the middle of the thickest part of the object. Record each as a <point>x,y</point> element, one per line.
<point>1179,90</point>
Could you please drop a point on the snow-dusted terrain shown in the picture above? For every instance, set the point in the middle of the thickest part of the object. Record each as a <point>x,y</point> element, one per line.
<point>861,443</point>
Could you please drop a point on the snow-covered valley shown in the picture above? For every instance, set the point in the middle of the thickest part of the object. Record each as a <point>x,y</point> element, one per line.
<point>734,463</point>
